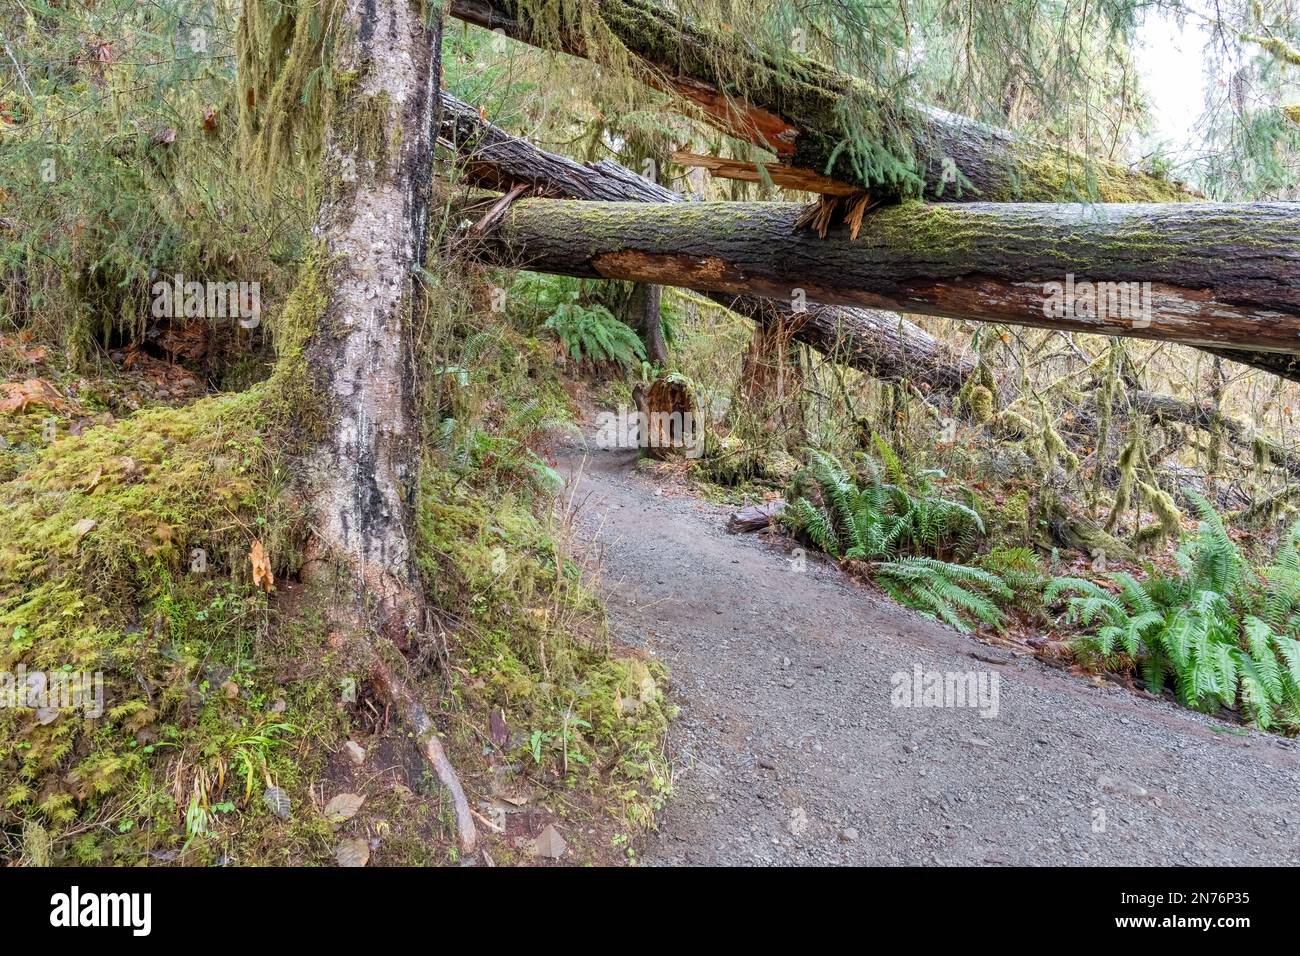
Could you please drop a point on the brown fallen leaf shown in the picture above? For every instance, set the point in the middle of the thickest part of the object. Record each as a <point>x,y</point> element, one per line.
<point>35,391</point>
<point>550,844</point>
<point>354,852</point>
<point>262,576</point>
<point>343,807</point>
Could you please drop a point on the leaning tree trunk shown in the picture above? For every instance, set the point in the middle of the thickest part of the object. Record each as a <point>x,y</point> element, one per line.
<point>796,107</point>
<point>882,344</point>
<point>794,110</point>
<point>377,173</point>
<point>1223,275</point>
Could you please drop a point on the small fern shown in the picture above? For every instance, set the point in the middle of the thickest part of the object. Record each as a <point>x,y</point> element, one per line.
<point>1022,571</point>
<point>862,516</point>
<point>956,594</point>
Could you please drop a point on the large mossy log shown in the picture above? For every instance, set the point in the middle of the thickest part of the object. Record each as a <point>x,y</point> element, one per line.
<point>810,115</point>
<point>1221,276</point>
<point>882,344</point>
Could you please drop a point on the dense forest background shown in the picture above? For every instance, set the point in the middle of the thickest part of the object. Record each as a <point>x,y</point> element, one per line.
<point>1114,504</point>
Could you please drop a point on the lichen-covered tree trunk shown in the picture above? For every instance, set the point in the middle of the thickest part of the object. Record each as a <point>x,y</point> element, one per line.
<point>378,145</point>
<point>1220,275</point>
<point>378,149</point>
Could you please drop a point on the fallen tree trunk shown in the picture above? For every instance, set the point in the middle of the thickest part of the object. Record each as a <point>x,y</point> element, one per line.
<point>1201,416</point>
<point>801,110</point>
<point>1221,276</point>
<point>882,344</point>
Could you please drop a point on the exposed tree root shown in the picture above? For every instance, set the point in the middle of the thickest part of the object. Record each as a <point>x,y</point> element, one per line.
<point>399,693</point>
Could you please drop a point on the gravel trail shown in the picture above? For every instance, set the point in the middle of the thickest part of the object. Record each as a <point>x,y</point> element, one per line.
<point>788,749</point>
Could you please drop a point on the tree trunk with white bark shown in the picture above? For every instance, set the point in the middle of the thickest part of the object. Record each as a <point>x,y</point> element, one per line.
<point>377,176</point>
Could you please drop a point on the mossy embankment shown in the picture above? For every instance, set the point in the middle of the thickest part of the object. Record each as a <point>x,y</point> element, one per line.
<point>128,552</point>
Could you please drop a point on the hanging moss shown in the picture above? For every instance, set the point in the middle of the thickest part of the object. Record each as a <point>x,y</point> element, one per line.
<point>1054,447</point>
<point>1127,465</point>
<point>281,50</point>
<point>980,403</point>
<point>1169,519</point>
<point>364,129</point>
<point>1010,423</point>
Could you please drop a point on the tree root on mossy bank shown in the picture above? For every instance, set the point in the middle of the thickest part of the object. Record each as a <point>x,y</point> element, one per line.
<point>126,553</point>
<point>1083,535</point>
<point>404,699</point>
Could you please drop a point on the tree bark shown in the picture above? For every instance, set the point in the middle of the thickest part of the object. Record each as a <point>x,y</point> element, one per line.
<point>377,156</point>
<point>882,344</point>
<point>1224,276</point>
<point>770,386</point>
<point>643,314</point>
<point>795,107</point>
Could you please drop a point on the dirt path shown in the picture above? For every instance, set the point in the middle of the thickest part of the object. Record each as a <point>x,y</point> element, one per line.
<point>789,751</point>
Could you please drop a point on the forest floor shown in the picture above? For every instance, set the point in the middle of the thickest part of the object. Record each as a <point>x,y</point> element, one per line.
<point>788,749</point>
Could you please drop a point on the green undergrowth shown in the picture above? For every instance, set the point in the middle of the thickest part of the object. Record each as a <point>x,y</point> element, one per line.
<point>1220,631</point>
<point>126,554</point>
<point>529,637</point>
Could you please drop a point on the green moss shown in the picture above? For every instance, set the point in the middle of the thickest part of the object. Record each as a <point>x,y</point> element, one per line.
<point>981,404</point>
<point>126,554</point>
<point>928,229</point>
<point>1011,521</point>
<point>1051,174</point>
<point>534,644</point>
<point>362,123</point>
<point>292,398</point>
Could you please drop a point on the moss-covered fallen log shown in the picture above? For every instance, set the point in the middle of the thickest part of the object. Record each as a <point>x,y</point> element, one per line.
<point>882,344</point>
<point>1225,276</point>
<point>816,118</point>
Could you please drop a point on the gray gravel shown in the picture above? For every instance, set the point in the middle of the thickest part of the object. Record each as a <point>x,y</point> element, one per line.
<point>788,749</point>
